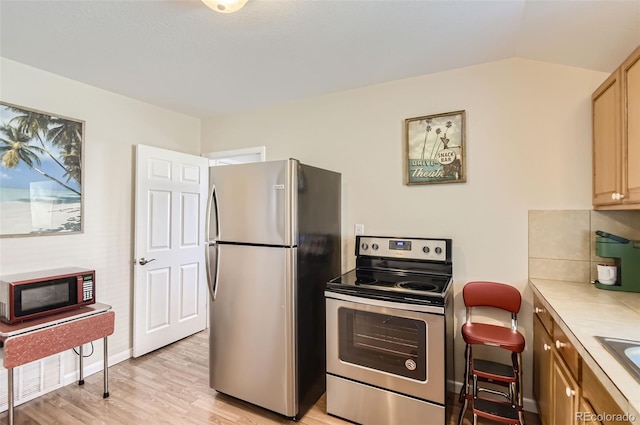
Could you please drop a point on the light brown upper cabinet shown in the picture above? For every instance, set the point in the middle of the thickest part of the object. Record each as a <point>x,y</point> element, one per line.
<point>616,138</point>
<point>631,126</point>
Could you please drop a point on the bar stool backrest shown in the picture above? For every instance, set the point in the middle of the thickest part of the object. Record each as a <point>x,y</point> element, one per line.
<point>492,294</point>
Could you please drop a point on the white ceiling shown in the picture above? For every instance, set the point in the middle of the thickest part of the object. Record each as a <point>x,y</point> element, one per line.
<point>185,57</point>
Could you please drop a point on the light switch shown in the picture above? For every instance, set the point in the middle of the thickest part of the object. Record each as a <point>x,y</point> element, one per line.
<point>359,229</point>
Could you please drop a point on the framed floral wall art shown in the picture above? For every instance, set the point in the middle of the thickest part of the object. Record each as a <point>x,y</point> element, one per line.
<point>434,149</point>
<point>40,172</point>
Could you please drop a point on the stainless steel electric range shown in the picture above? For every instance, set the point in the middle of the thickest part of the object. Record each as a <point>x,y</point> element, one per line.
<point>390,333</point>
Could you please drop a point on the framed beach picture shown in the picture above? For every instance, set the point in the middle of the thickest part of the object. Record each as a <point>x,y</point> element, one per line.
<point>434,149</point>
<point>40,172</point>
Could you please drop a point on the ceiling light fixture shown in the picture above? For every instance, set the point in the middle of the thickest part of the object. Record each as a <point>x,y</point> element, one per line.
<point>225,6</point>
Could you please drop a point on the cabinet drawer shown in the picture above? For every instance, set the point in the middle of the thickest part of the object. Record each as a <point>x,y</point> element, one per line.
<point>541,312</point>
<point>598,397</point>
<point>567,351</point>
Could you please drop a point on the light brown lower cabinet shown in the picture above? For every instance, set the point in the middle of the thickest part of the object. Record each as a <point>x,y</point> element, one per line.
<point>605,409</point>
<point>586,414</point>
<point>542,370</point>
<point>566,390</point>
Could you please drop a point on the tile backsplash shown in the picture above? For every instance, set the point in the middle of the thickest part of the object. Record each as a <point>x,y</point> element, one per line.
<point>562,242</point>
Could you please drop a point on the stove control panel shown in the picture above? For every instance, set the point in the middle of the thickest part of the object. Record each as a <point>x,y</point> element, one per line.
<point>405,248</point>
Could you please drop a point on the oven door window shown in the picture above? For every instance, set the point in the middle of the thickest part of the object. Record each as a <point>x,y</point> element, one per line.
<point>385,343</point>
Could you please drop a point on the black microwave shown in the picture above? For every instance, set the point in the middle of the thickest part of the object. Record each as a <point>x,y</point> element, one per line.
<point>31,295</point>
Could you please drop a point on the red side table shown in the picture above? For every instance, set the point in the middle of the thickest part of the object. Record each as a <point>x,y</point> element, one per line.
<point>39,338</point>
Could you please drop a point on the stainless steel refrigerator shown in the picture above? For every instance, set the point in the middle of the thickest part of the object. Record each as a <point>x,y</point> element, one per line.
<point>273,243</point>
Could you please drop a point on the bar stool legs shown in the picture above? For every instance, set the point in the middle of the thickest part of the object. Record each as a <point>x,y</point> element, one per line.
<point>511,411</point>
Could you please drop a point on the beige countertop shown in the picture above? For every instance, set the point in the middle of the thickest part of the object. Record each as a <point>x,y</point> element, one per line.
<point>584,312</point>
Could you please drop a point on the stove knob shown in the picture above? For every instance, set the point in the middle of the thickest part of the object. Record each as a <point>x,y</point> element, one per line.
<point>426,250</point>
<point>365,246</point>
<point>374,246</point>
<point>438,250</point>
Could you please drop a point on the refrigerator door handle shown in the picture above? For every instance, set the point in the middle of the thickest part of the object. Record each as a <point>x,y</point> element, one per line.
<point>212,204</point>
<point>207,265</point>
<point>217,274</point>
<point>212,284</point>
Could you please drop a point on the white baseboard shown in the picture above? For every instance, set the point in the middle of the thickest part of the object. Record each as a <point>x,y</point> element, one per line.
<point>97,367</point>
<point>529,404</point>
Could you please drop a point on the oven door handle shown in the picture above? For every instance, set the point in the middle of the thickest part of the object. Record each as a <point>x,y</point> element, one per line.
<point>398,305</point>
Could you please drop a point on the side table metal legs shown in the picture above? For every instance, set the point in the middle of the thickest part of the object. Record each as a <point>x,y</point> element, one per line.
<point>81,380</point>
<point>10,396</point>
<point>106,369</point>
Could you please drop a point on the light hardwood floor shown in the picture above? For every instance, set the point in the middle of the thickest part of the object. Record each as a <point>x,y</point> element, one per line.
<point>169,386</point>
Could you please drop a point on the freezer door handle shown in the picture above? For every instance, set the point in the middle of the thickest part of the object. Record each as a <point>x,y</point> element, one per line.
<point>212,206</point>
<point>212,283</point>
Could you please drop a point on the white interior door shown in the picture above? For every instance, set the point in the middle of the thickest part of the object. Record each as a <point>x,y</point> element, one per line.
<point>170,289</point>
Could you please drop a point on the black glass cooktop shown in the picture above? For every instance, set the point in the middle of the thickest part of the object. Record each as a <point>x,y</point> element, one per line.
<point>392,285</point>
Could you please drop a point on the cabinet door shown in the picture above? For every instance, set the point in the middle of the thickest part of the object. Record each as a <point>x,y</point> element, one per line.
<point>586,415</point>
<point>631,128</point>
<point>607,122</point>
<point>542,370</point>
<point>565,393</point>
<point>600,400</point>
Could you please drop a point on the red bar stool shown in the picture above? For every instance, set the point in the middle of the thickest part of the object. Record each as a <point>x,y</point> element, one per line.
<point>507,298</point>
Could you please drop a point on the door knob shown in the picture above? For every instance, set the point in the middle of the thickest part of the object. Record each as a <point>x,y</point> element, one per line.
<point>144,261</point>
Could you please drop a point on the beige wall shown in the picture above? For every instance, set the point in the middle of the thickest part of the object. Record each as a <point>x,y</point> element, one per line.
<point>528,147</point>
<point>114,125</point>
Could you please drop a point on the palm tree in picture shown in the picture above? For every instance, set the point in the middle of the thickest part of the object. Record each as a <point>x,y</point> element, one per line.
<point>66,135</point>
<point>438,131</point>
<point>34,125</point>
<point>426,135</point>
<point>437,143</point>
<point>63,134</point>
<point>16,147</point>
